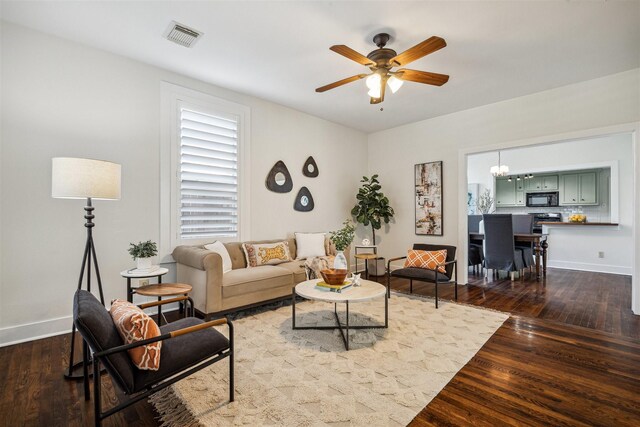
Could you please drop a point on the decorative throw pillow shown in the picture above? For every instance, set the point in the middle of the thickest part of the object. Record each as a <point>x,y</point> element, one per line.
<point>266,253</point>
<point>135,325</point>
<point>310,245</point>
<point>426,259</point>
<point>219,248</point>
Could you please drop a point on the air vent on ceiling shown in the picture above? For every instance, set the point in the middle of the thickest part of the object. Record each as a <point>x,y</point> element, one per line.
<point>182,35</point>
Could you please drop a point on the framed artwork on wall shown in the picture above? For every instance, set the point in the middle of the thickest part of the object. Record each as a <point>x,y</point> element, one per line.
<point>428,193</point>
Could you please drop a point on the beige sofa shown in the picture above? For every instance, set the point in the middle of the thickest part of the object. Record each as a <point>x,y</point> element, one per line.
<point>217,293</point>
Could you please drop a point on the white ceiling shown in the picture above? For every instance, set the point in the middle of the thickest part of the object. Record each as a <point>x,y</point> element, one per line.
<point>279,51</point>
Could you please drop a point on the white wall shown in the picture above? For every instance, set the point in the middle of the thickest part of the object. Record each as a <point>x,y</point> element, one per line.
<point>593,104</point>
<point>60,98</point>
<point>578,247</point>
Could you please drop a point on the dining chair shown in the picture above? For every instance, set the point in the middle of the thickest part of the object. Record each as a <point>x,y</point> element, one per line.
<point>500,252</point>
<point>523,224</point>
<point>474,250</point>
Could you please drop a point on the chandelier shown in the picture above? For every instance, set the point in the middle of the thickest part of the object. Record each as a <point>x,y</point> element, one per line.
<point>500,169</point>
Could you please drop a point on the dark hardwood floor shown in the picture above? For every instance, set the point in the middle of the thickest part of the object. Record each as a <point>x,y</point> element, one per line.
<point>569,355</point>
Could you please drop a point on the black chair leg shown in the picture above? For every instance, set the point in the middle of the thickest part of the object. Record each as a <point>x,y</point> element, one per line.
<point>436,294</point>
<point>232,386</point>
<point>96,393</point>
<point>85,370</point>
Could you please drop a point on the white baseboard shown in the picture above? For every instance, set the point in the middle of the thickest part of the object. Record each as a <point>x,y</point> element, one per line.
<point>583,266</point>
<point>48,328</point>
<point>34,331</point>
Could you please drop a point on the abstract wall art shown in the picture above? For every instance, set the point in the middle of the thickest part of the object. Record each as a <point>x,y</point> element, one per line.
<point>428,202</point>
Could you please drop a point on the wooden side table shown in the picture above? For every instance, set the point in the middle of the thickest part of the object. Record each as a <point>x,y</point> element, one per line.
<point>371,254</point>
<point>166,290</point>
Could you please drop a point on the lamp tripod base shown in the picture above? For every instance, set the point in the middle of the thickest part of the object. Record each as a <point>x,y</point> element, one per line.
<point>80,370</point>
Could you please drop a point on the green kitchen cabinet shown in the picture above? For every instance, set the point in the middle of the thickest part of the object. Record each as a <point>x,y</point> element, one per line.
<point>505,192</point>
<point>519,184</point>
<point>534,184</point>
<point>588,188</point>
<point>550,182</point>
<point>520,199</point>
<point>579,189</point>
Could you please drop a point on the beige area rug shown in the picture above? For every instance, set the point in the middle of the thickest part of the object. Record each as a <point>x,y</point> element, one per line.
<point>307,378</point>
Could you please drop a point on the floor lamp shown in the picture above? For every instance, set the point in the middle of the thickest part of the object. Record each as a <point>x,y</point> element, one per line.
<point>74,178</point>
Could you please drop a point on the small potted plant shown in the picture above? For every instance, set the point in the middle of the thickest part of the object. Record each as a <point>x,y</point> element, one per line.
<point>142,253</point>
<point>341,239</point>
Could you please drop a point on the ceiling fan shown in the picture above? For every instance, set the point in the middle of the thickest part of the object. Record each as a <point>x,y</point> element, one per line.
<point>382,60</point>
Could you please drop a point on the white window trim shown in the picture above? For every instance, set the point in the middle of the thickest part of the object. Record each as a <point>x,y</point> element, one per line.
<point>171,97</point>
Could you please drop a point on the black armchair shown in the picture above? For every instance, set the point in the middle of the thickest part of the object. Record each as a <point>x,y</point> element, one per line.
<point>450,276</point>
<point>189,345</point>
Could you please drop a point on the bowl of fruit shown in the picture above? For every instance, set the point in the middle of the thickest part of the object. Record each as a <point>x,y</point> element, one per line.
<point>577,218</point>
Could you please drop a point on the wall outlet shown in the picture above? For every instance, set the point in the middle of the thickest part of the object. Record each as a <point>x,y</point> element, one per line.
<point>600,254</point>
<point>145,282</point>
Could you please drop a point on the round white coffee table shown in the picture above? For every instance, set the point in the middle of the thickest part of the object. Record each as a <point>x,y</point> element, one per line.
<point>367,290</point>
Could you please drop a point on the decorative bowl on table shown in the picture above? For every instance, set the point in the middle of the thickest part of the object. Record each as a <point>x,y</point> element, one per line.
<point>334,277</point>
<point>577,218</point>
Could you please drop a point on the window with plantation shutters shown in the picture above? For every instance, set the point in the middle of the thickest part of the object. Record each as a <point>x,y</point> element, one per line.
<point>205,154</point>
<point>208,175</point>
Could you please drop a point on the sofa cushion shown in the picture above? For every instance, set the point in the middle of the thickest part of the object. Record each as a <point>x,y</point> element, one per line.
<point>297,268</point>
<point>219,248</point>
<point>236,252</point>
<point>247,280</point>
<point>258,254</point>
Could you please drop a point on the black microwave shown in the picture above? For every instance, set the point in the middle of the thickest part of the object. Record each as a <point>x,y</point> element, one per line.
<point>542,199</point>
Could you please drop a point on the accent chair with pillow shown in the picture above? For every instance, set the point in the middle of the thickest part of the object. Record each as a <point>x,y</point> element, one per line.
<point>427,263</point>
<point>121,343</point>
<point>261,271</point>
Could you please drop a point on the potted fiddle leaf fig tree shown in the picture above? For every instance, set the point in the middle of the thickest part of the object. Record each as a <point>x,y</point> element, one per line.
<point>142,253</point>
<point>372,209</point>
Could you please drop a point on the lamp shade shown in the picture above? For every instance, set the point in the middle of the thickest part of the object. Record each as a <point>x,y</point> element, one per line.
<point>75,178</point>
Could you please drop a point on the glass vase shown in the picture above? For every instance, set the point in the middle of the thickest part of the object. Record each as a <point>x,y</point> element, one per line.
<point>340,261</point>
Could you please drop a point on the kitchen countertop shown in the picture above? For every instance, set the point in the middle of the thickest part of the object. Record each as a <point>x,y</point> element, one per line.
<point>612,224</point>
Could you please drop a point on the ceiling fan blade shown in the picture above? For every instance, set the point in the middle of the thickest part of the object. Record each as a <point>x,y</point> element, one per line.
<point>340,82</point>
<point>347,52</point>
<point>422,77</point>
<point>428,46</point>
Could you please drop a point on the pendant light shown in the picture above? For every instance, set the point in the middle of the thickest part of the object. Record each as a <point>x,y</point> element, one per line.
<point>500,169</point>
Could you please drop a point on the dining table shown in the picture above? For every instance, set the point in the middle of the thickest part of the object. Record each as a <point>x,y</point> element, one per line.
<point>540,246</point>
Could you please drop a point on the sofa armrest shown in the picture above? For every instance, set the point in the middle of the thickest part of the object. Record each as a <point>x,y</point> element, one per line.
<point>197,257</point>
<point>211,263</point>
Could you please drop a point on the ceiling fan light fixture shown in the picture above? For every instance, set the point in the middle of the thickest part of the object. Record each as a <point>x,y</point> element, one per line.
<point>373,81</point>
<point>394,83</point>
<point>375,92</point>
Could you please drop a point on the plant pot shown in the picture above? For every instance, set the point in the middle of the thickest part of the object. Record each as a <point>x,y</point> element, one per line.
<point>340,261</point>
<point>144,263</point>
<point>376,267</point>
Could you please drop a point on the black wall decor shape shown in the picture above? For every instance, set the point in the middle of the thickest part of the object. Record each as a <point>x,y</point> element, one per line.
<point>310,168</point>
<point>304,200</point>
<point>279,179</point>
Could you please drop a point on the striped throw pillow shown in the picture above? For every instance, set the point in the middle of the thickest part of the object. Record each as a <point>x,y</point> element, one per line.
<point>426,259</point>
<point>135,325</point>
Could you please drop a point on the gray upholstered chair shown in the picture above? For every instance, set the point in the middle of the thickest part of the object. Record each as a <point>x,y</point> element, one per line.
<point>475,250</point>
<point>500,253</point>
<point>450,276</point>
<point>523,224</point>
<point>188,345</point>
